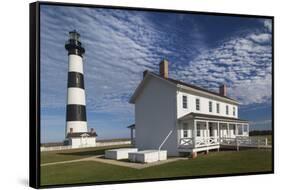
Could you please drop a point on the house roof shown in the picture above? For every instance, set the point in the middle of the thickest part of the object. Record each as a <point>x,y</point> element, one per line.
<point>175,82</point>
<point>193,115</point>
<point>76,135</point>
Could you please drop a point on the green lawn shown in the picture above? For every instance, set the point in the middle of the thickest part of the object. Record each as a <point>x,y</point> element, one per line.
<point>224,162</point>
<point>64,155</point>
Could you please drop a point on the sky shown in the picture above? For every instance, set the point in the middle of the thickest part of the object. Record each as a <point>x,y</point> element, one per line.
<point>203,50</point>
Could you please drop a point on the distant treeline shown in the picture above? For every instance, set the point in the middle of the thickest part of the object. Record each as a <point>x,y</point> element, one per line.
<point>263,132</point>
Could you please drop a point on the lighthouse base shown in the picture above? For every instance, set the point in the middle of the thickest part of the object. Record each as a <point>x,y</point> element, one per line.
<point>81,140</point>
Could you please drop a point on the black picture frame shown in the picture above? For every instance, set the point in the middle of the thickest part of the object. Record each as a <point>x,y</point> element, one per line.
<point>34,91</point>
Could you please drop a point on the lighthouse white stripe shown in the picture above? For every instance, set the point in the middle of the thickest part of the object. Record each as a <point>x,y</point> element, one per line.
<point>75,64</point>
<point>77,126</point>
<point>76,96</point>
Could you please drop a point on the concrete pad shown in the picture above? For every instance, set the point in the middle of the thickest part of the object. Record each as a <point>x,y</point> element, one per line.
<point>148,156</point>
<point>120,153</point>
<point>135,165</point>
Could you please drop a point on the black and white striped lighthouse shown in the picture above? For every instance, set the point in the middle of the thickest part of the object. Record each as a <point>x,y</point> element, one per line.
<point>76,121</point>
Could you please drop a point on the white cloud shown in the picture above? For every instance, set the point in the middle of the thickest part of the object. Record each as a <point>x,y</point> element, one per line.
<point>119,45</point>
<point>261,38</point>
<point>268,24</point>
<point>243,63</point>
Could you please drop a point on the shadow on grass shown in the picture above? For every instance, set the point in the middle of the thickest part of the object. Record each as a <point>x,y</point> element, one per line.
<point>84,153</point>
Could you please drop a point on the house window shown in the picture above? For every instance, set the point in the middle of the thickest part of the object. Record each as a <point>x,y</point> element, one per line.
<point>197,104</point>
<point>198,132</point>
<point>245,128</point>
<point>184,102</point>
<point>185,131</point>
<point>210,106</point>
<point>226,109</point>
<point>218,108</point>
<point>240,130</point>
<point>234,111</point>
<point>211,130</point>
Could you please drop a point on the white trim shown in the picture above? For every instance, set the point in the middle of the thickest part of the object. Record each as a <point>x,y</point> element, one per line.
<point>222,120</point>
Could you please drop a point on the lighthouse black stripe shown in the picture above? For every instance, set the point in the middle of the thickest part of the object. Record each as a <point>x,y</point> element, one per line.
<point>76,112</point>
<point>75,79</point>
<point>75,52</point>
<point>74,47</point>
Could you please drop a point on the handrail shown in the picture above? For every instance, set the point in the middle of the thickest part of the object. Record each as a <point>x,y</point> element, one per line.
<point>163,144</point>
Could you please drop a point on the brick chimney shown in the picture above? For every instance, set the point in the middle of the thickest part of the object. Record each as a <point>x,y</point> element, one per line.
<point>144,73</point>
<point>163,68</point>
<point>223,90</point>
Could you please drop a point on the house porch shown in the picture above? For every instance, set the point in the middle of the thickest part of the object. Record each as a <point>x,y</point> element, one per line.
<point>206,133</point>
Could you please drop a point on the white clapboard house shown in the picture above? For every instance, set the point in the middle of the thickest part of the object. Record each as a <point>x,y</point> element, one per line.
<point>182,118</point>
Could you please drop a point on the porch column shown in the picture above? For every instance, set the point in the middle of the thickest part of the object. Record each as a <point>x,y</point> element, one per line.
<point>228,130</point>
<point>219,133</point>
<point>194,133</point>
<point>208,132</point>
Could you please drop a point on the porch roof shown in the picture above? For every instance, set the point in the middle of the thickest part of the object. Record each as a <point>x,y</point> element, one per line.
<point>201,116</point>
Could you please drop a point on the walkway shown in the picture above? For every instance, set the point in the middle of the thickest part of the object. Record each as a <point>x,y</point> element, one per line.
<point>100,158</point>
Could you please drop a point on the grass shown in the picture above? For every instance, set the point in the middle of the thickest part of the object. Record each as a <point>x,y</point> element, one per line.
<point>64,155</point>
<point>225,162</point>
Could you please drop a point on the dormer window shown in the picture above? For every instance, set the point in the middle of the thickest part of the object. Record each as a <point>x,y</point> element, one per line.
<point>234,111</point>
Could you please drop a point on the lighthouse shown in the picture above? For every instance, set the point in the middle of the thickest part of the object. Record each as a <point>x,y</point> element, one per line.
<point>76,132</point>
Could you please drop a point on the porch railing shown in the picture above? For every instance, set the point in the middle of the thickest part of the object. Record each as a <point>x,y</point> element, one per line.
<point>198,142</point>
<point>245,141</point>
<point>212,141</point>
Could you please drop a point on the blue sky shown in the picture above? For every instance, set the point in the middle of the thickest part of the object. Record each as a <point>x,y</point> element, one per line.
<point>202,50</point>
